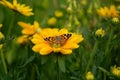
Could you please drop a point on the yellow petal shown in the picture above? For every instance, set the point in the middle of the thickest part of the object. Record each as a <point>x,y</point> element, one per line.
<point>38,39</point>
<point>66,51</point>
<point>75,39</point>
<point>24,25</point>
<point>37,35</point>
<point>37,47</point>
<point>36,24</point>
<point>7,4</point>
<point>23,5</point>
<point>28,31</point>
<point>54,32</point>
<point>63,31</point>
<point>56,49</point>
<point>49,32</point>
<point>14,2</point>
<point>70,46</point>
<point>46,50</point>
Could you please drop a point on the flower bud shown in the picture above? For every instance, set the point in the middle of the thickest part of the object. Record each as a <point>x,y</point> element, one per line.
<point>89,76</point>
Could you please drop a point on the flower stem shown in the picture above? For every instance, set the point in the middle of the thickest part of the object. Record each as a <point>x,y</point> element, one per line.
<point>11,25</point>
<point>108,42</point>
<point>37,71</point>
<point>3,61</point>
<point>105,76</point>
<point>92,55</point>
<point>70,17</point>
<point>58,72</point>
<point>107,54</point>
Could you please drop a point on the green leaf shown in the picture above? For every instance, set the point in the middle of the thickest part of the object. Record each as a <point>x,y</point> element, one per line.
<point>104,70</point>
<point>28,61</point>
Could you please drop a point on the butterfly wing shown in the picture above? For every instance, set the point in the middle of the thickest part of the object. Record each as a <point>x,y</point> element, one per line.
<point>58,39</point>
<point>64,38</point>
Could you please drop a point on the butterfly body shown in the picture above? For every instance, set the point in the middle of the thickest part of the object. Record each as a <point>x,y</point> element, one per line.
<point>58,39</point>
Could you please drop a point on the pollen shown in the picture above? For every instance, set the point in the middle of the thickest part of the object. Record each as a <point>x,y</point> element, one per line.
<point>56,45</point>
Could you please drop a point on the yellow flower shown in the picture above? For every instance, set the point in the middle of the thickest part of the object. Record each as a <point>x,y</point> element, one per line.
<point>108,12</point>
<point>116,71</point>
<point>100,32</point>
<point>113,11</point>
<point>102,11</point>
<point>83,2</point>
<point>118,7</point>
<point>52,21</point>
<point>22,39</point>
<point>29,29</point>
<point>58,14</point>
<point>0,25</point>
<point>1,35</point>
<point>115,19</point>
<point>20,8</point>
<point>1,45</point>
<point>89,76</point>
<point>54,40</point>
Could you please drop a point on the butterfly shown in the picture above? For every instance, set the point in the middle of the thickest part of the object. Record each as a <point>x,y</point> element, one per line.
<point>58,39</point>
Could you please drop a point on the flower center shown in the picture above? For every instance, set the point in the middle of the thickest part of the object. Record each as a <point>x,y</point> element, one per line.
<point>56,45</point>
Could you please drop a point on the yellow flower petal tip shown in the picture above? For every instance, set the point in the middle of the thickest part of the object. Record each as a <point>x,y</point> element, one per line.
<point>23,39</point>
<point>57,41</point>
<point>17,7</point>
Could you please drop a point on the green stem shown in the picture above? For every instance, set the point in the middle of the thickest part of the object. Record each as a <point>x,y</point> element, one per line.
<point>70,7</point>
<point>107,54</point>
<point>3,61</point>
<point>27,53</point>
<point>105,73</point>
<point>11,25</point>
<point>58,72</point>
<point>108,42</point>
<point>37,71</point>
<point>92,55</point>
<point>105,76</point>
<point>32,73</point>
